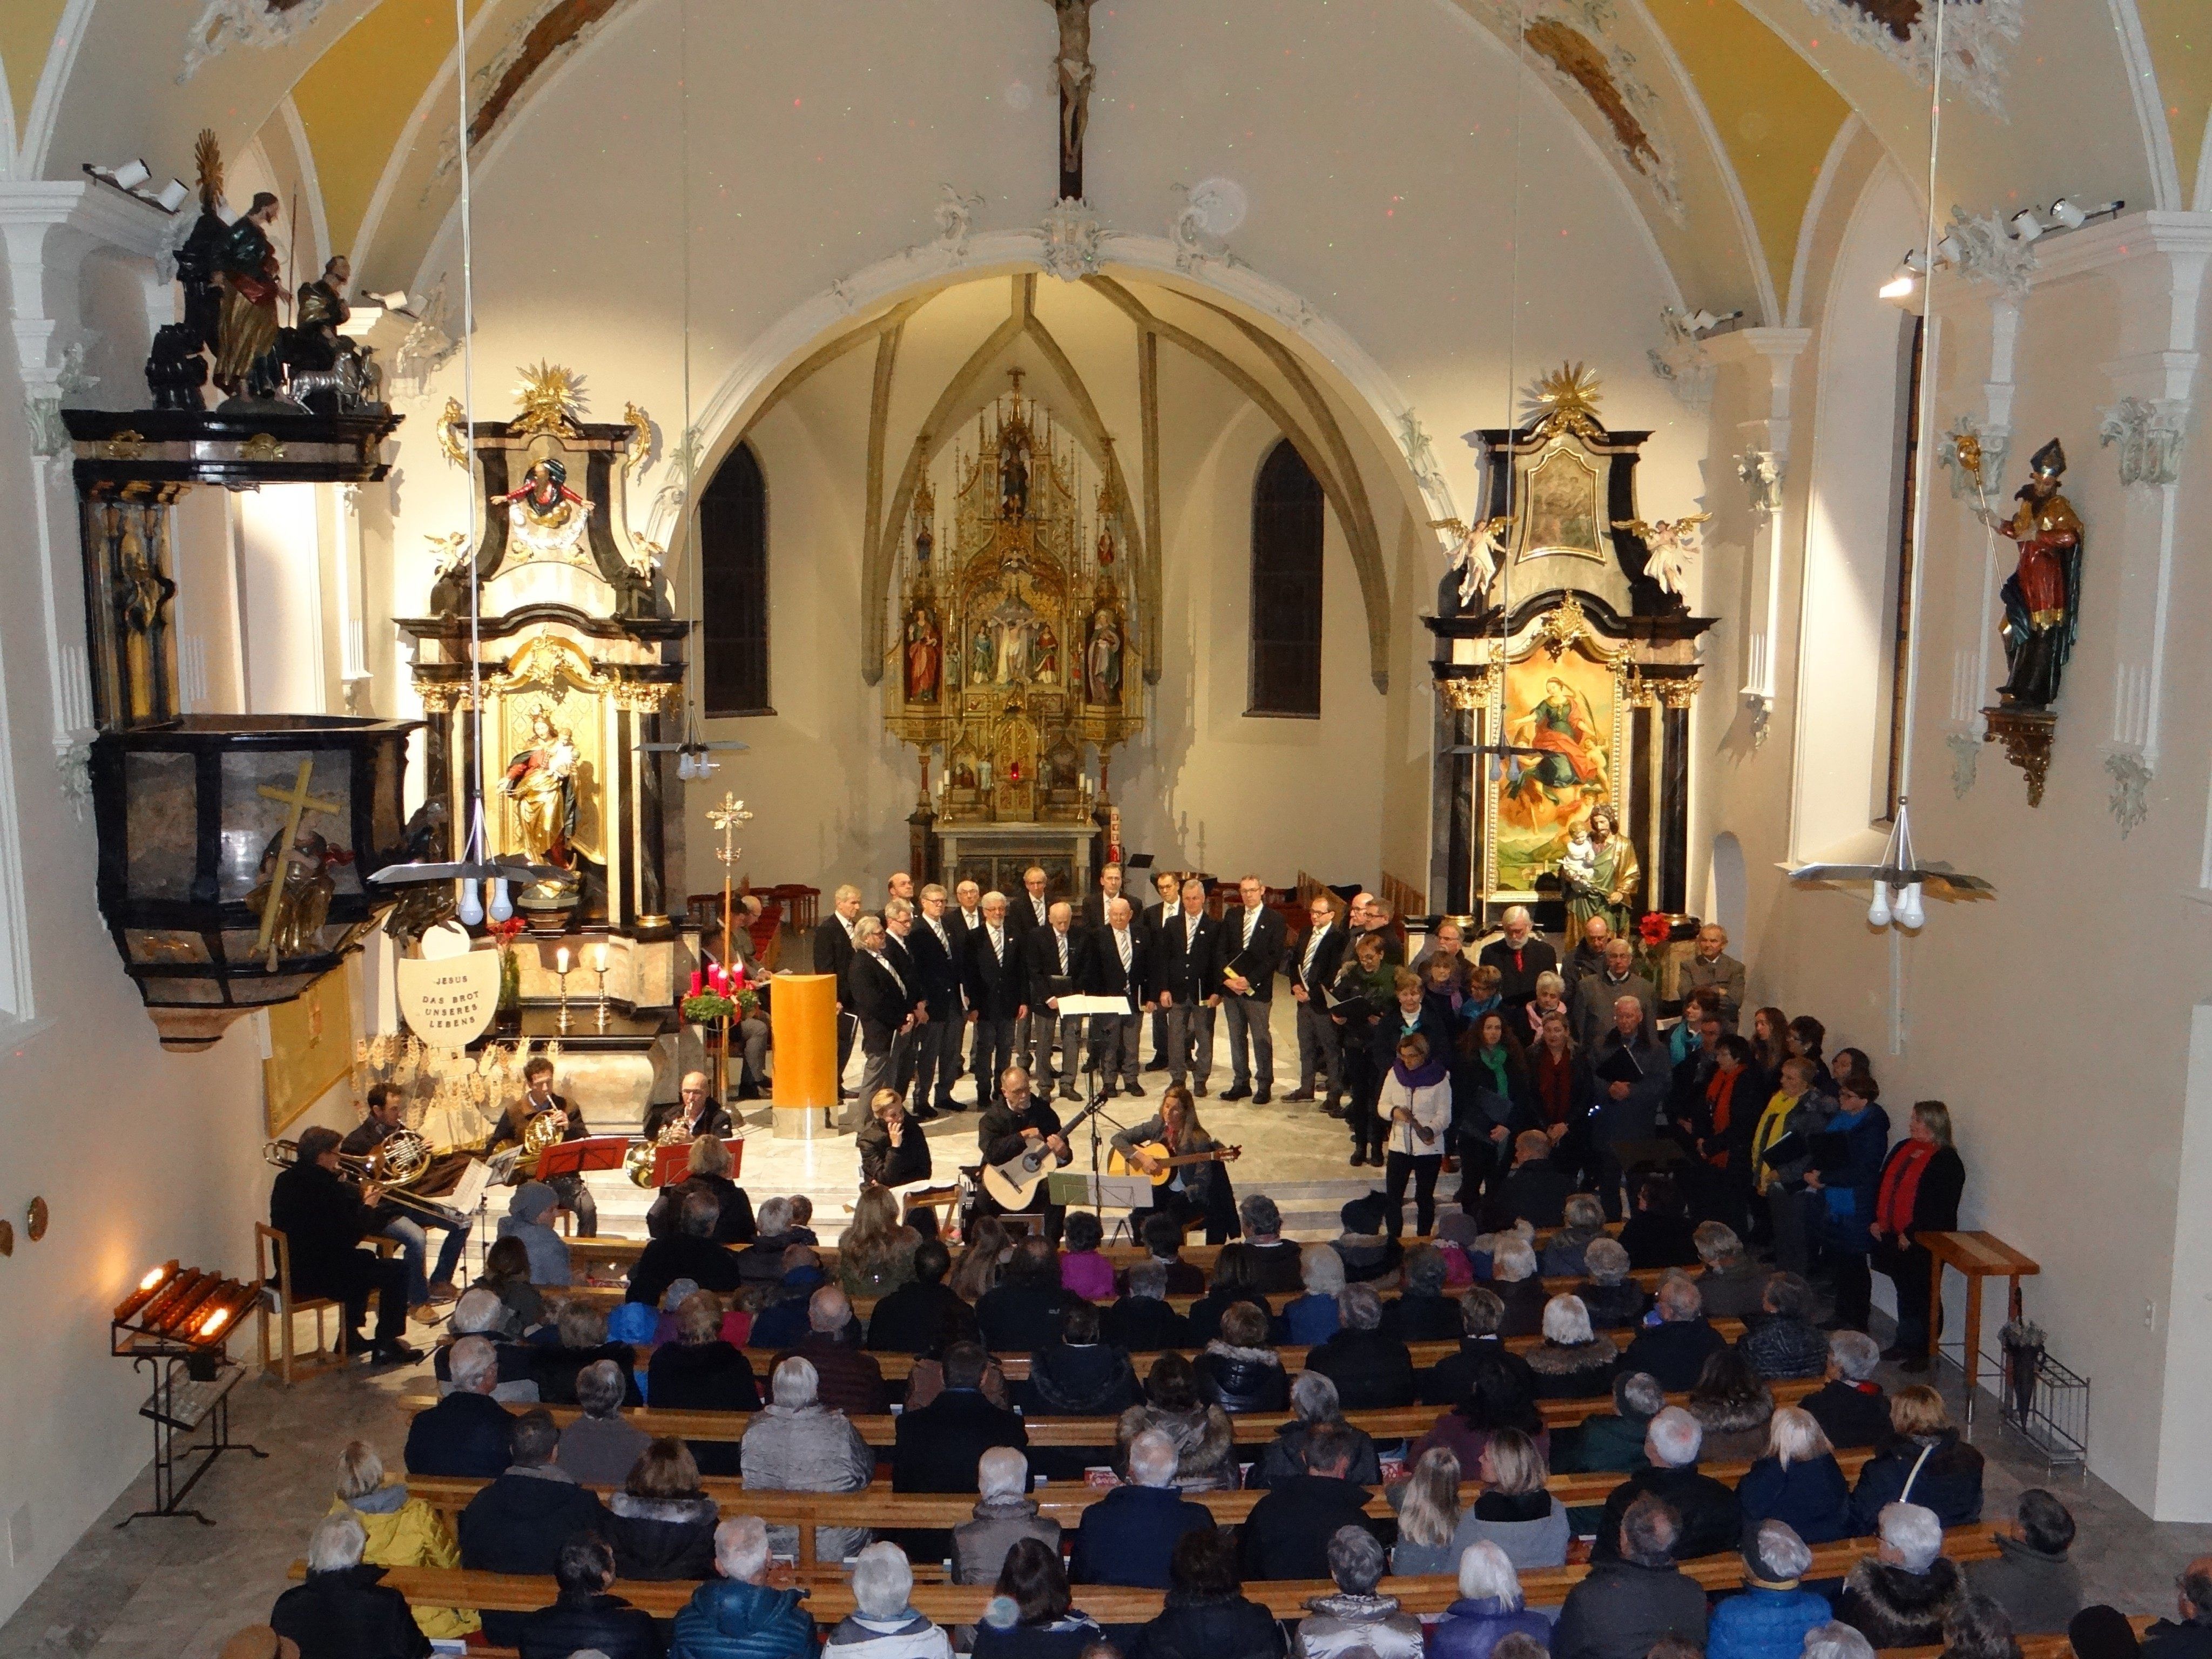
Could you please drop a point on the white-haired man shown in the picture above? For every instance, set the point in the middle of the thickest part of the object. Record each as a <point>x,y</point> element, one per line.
<point>1128,1535</point>
<point>1897,1597</point>
<point>1711,1518</point>
<point>1676,1349</point>
<point>1004,1515</point>
<point>340,1609</point>
<point>886,1624</point>
<point>1251,956</point>
<point>833,954</point>
<point>997,995</point>
<point>751,1608</point>
<point>799,1444</point>
<point>1519,954</point>
<point>1712,968</point>
<point>881,990</point>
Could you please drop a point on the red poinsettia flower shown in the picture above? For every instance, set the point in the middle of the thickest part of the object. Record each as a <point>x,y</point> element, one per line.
<point>1655,928</point>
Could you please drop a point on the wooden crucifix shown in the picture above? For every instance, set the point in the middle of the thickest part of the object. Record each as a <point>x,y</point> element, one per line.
<point>300,803</point>
<point>1071,64</point>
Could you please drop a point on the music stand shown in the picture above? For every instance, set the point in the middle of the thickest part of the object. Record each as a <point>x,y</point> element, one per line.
<point>578,1157</point>
<point>672,1164</point>
<point>1091,1007</point>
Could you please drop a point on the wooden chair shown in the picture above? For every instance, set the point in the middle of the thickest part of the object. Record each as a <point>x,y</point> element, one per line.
<point>272,1256</point>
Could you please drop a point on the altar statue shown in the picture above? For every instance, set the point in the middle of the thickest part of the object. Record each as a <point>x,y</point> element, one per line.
<point>2043,596</point>
<point>545,518</point>
<point>1044,655</point>
<point>1102,659</point>
<point>1014,477</point>
<point>923,655</point>
<point>1606,884</point>
<point>246,271</point>
<point>304,893</point>
<point>541,781</point>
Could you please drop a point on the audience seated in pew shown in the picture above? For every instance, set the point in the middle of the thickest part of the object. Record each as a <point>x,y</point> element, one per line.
<point>1498,1396</point>
<point>340,1611</point>
<point>1535,1190</point>
<point>937,1445</point>
<point>1613,1299</point>
<point>506,1276</point>
<point>1977,1628</point>
<point>1675,1350</point>
<point>2188,1635</point>
<point>2034,1578</point>
<point>1278,1263</point>
<point>661,1524</point>
<point>1784,1341</point>
<point>1314,1400</point>
<point>988,1246</point>
<point>600,1448</point>
<point>1370,1369</point>
<point>1708,1518</point>
<point>1605,1442</point>
<point>701,1372</point>
<point>1733,1285</point>
<point>1434,1529</point>
<point>1084,1273</point>
<point>586,1616</point>
<point>1446,1383</point>
<point>1129,1536</point>
<point>465,1433</point>
<point>799,1444</point>
<point>925,1315</point>
<point>1574,1362</point>
<point>763,1258</point>
<point>1003,1512</point>
<point>752,1611</point>
<point>1850,1407</point>
<point>1204,1440</point>
<point>849,1378</point>
<point>1898,1596</point>
<point>1514,1278</point>
<point>1660,1233</point>
<point>875,1257</point>
<point>1235,1282</point>
<point>529,1220</point>
<point>1288,1533</point>
<point>1021,1313</point>
<point>1733,1408</point>
<point>1312,1317</point>
<point>583,1330</point>
<point>707,1170</point>
<point>1141,1320</point>
<point>1634,1596</point>
<point>1423,1313</point>
<point>1354,1618</point>
<point>1206,1614</point>
<point>784,1322</point>
<point>479,1312</point>
<point>689,1250</point>
<point>1564,1252</point>
<point>1772,1615</point>
<point>1489,1611</point>
<point>1161,1235</point>
<point>1033,1616</point>
<point>399,1532</point>
<point>1238,1371</point>
<point>1366,1249</point>
<point>519,1522</point>
<point>1079,1374</point>
<point>1946,1480</point>
<point>1797,1481</point>
<point>886,1624</point>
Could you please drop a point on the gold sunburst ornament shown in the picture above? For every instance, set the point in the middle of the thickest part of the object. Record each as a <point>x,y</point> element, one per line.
<point>1564,400</point>
<point>551,398</point>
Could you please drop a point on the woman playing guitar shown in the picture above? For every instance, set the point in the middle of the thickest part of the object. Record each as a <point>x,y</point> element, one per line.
<point>1184,1164</point>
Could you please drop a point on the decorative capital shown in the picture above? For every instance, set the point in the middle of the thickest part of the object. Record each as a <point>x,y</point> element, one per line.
<point>2148,435</point>
<point>2130,801</point>
<point>1073,236</point>
<point>1466,693</point>
<point>1984,250</point>
<point>1683,362</point>
<point>1677,694</point>
<point>1974,454</point>
<point>1762,471</point>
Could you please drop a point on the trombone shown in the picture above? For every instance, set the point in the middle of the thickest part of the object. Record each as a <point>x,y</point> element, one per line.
<point>401,1159</point>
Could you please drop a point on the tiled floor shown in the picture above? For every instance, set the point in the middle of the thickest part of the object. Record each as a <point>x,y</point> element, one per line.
<point>174,1589</point>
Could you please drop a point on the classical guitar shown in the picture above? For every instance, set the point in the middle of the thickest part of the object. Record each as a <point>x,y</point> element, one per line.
<point>1116,1164</point>
<point>1015,1182</point>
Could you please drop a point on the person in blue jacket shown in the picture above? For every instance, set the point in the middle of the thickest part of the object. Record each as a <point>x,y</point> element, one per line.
<point>1768,1619</point>
<point>1845,1195</point>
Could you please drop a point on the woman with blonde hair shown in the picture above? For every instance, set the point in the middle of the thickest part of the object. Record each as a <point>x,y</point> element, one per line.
<point>989,1244</point>
<point>1433,1530</point>
<point>876,1255</point>
<point>1918,1193</point>
<point>402,1531</point>
<point>707,1170</point>
<point>1925,1463</point>
<point>1515,1509</point>
<point>1798,1482</point>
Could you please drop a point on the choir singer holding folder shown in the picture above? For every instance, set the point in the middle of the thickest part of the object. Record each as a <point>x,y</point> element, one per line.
<point>1251,956</point>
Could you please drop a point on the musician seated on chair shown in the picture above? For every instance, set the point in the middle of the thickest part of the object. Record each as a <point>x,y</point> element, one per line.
<point>537,1082</point>
<point>1019,1122</point>
<point>1193,1193</point>
<point>894,1152</point>
<point>323,1220</point>
<point>404,1224</point>
<point>690,1115</point>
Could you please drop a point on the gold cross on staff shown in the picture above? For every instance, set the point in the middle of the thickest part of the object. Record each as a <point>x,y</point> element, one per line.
<point>301,804</point>
<point>727,818</point>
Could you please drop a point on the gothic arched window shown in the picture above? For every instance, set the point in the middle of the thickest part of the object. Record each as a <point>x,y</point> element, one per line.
<point>734,588</point>
<point>1287,537</point>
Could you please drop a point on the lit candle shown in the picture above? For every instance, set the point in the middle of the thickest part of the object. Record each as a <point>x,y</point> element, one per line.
<point>698,982</point>
<point>561,960</point>
<point>599,958</point>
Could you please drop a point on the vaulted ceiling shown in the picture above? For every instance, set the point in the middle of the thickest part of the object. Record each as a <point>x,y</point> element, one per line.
<point>1717,115</point>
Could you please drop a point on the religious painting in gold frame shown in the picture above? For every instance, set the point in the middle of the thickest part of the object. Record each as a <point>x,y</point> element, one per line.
<point>1573,706</point>
<point>310,1048</point>
<point>1561,492</point>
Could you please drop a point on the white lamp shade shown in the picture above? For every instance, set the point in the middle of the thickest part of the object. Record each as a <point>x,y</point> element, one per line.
<point>1909,912</point>
<point>502,907</point>
<point>472,912</point>
<point>1878,913</point>
<point>132,174</point>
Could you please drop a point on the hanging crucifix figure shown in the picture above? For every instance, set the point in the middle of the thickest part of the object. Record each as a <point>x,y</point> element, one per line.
<point>1073,63</point>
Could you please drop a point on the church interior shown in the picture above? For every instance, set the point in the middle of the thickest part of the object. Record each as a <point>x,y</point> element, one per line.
<point>571,531</point>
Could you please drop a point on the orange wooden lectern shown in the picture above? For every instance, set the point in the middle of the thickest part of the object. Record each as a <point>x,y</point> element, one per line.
<point>804,1019</point>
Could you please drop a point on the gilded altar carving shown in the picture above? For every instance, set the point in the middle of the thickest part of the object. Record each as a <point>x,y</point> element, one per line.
<point>1014,642</point>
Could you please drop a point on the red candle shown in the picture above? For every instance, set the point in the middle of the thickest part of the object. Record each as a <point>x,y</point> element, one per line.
<point>698,981</point>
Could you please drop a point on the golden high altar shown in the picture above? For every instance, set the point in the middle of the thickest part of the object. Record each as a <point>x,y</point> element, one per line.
<point>1014,662</point>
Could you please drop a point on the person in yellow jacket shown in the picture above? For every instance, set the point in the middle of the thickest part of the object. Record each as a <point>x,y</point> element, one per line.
<point>402,1531</point>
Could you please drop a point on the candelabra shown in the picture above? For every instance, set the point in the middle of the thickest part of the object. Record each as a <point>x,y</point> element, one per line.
<point>561,969</point>
<point>600,967</point>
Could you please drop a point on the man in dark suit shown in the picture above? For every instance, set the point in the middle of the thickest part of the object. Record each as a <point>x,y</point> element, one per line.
<point>1028,912</point>
<point>1059,960</point>
<point>1287,1534</point>
<point>1122,966</point>
<point>833,955</point>
<point>997,996</point>
<point>323,1220</point>
<point>1251,955</point>
<point>1187,991</point>
<point>1167,886</point>
<point>1129,1535</point>
<point>937,976</point>
<point>937,1445</point>
<point>464,1433</point>
<point>519,1521</point>
<point>885,998</point>
<point>1711,1517</point>
<point>963,917</point>
<point>1016,1121</point>
<point>1311,966</point>
<point>1536,1191</point>
<point>1519,957</point>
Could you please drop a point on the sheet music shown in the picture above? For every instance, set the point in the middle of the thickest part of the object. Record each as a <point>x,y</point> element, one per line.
<point>468,1192</point>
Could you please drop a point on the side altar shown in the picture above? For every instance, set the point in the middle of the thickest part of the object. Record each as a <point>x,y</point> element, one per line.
<point>1566,664</point>
<point>1016,668</point>
<point>552,654</point>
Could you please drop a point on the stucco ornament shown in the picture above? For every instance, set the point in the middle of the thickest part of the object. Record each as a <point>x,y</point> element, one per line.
<point>223,24</point>
<point>2130,801</point>
<point>1071,240</point>
<point>2148,435</point>
<point>1976,35</point>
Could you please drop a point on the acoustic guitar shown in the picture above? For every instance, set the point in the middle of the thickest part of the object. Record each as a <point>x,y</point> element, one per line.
<point>1116,1164</point>
<point>1013,1183</point>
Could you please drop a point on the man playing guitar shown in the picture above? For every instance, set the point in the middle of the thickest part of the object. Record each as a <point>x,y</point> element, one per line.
<point>1195,1192</point>
<point>1016,1121</point>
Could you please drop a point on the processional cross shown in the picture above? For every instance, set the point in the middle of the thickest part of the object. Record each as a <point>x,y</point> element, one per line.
<point>727,818</point>
<point>1073,65</point>
<point>300,803</point>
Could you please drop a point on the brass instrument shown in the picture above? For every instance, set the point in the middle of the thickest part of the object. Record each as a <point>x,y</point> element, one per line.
<point>638,1161</point>
<point>541,1132</point>
<point>361,1171</point>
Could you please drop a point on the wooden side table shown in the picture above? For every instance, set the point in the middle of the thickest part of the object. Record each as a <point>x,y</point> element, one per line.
<point>1978,1256</point>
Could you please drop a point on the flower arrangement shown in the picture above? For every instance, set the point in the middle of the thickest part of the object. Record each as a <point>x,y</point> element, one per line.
<point>1655,928</point>
<point>717,994</point>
